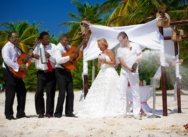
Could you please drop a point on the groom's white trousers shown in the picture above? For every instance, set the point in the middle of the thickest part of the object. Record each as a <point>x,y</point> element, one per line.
<point>133,79</point>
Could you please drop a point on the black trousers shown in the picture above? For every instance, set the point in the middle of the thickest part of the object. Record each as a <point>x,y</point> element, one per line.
<point>14,86</point>
<point>45,80</point>
<point>65,85</point>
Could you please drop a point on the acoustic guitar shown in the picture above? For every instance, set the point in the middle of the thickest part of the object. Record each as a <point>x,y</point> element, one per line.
<point>23,59</point>
<point>71,65</point>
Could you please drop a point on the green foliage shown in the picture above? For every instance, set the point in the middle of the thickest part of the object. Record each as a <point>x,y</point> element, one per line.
<point>146,71</point>
<point>31,78</point>
<point>170,77</point>
<point>184,77</point>
<point>91,13</point>
<point>54,40</point>
<point>183,51</point>
<point>77,75</point>
<point>90,65</point>
<point>26,32</point>
<point>3,38</point>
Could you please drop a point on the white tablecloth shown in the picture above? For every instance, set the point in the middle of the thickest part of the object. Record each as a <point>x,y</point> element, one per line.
<point>145,93</point>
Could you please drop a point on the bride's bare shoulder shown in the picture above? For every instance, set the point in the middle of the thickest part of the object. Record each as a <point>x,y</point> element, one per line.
<point>108,51</point>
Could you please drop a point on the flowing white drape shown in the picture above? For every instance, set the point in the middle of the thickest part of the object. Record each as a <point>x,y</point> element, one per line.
<point>146,35</point>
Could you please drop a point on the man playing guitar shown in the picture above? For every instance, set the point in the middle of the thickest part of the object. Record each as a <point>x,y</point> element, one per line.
<point>64,78</point>
<point>10,54</point>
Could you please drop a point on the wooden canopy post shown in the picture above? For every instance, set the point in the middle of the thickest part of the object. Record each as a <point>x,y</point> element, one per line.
<point>163,77</point>
<point>181,22</point>
<point>177,82</point>
<point>86,32</point>
<point>164,21</point>
<point>85,85</point>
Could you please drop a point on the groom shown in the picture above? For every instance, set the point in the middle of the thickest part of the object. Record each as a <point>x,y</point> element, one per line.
<point>128,54</point>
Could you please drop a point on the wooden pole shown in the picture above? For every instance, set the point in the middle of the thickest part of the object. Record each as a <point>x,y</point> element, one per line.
<point>177,81</point>
<point>179,22</point>
<point>87,33</point>
<point>178,95</point>
<point>169,37</point>
<point>85,79</point>
<point>163,77</point>
<point>85,85</point>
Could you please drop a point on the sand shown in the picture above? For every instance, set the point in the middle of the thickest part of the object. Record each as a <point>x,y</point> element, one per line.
<point>166,126</point>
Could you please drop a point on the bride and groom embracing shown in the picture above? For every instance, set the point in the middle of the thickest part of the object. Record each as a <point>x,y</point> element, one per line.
<point>107,95</point>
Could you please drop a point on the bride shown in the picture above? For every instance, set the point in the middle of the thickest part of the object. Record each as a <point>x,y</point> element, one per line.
<point>103,99</point>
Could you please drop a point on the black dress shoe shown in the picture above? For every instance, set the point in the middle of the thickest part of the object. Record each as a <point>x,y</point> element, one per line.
<point>41,116</point>
<point>57,115</point>
<point>10,118</point>
<point>70,115</point>
<point>49,115</point>
<point>22,116</point>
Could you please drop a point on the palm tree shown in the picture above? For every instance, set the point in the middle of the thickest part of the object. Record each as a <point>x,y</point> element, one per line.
<point>27,34</point>
<point>85,11</point>
<point>110,5</point>
<point>133,12</point>
<point>149,8</point>
<point>121,8</point>
<point>3,38</point>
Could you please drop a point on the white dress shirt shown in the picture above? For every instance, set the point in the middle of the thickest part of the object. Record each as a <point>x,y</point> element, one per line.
<point>60,50</point>
<point>129,56</point>
<point>51,50</point>
<point>10,56</point>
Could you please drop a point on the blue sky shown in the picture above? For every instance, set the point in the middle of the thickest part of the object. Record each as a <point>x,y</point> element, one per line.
<point>50,13</point>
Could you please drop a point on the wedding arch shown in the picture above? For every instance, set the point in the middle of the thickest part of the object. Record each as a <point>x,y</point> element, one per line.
<point>147,35</point>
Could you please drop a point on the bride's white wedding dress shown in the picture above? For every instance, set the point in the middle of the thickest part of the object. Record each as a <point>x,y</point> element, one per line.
<point>103,99</point>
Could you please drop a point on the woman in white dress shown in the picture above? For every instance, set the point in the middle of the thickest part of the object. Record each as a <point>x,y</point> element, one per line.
<point>103,98</point>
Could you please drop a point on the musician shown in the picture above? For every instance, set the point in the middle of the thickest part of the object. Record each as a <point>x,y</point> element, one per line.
<point>64,79</point>
<point>45,76</point>
<point>13,85</point>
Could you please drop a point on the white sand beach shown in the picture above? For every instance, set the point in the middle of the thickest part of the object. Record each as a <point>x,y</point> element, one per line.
<point>166,126</point>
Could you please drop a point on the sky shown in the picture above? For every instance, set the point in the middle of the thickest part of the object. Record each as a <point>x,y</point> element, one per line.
<point>51,13</point>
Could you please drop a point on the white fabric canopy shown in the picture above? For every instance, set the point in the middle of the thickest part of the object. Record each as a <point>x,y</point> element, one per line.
<point>146,35</point>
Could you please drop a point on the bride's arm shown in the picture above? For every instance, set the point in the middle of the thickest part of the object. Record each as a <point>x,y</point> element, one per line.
<point>99,63</point>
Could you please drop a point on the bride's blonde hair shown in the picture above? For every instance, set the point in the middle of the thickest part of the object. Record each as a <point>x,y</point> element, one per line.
<point>103,41</point>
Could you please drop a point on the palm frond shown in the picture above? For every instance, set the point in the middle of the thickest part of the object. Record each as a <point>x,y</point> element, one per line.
<point>69,23</point>
<point>28,32</point>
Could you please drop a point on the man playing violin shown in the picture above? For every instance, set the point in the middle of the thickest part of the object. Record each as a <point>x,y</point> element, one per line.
<point>13,85</point>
